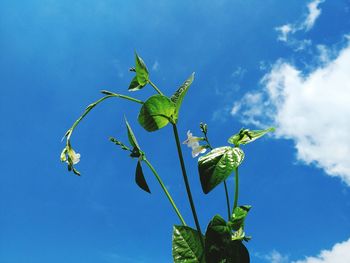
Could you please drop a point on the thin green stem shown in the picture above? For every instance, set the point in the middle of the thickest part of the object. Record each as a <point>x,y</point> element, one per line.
<point>94,104</point>
<point>155,87</point>
<point>188,189</point>
<point>235,204</point>
<point>227,201</point>
<point>166,192</point>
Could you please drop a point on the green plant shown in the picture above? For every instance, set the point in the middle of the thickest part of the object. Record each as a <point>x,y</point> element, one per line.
<point>223,240</point>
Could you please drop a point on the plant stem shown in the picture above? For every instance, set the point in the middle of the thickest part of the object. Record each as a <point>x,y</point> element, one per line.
<point>188,189</point>
<point>227,201</point>
<point>235,204</point>
<point>166,192</point>
<point>155,87</point>
<point>94,104</point>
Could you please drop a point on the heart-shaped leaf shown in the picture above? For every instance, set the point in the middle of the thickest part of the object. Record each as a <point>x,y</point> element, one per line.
<point>156,113</point>
<point>187,246</point>
<point>141,71</point>
<point>179,95</point>
<point>219,246</point>
<point>237,253</point>
<point>140,178</point>
<point>246,136</point>
<point>217,165</point>
<point>217,240</point>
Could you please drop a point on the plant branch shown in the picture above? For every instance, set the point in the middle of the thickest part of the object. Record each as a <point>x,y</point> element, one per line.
<point>188,189</point>
<point>165,191</point>
<point>155,87</point>
<point>94,104</point>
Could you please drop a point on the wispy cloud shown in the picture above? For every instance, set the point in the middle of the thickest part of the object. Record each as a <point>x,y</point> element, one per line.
<point>286,31</point>
<point>155,66</point>
<point>311,110</point>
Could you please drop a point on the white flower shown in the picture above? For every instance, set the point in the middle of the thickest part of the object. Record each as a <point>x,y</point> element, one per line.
<point>71,154</point>
<point>75,157</point>
<point>197,150</point>
<point>193,142</point>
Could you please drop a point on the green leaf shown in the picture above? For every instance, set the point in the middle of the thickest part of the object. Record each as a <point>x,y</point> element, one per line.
<point>141,71</point>
<point>140,178</point>
<point>156,112</point>
<point>217,240</point>
<point>246,136</point>
<point>187,246</point>
<point>219,246</point>
<point>217,165</point>
<point>238,216</point>
<point>135,85</point>
<point>131,135</point>
<point>179,95</point>
<point>237,253</point>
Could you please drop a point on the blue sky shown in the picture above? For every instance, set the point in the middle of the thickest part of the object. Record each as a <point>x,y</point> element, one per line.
<point>257,64</point>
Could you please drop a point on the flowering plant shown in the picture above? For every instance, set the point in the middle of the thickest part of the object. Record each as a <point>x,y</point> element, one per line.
<point>223,239</point>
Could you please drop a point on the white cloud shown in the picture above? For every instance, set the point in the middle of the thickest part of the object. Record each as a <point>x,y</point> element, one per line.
<point>340,253</point>
<point>276,257</point>
<point>284,31</point>
<point>312,110</point>
<point>155,66</point>
<point>313,13</point>
<point>306,24</point>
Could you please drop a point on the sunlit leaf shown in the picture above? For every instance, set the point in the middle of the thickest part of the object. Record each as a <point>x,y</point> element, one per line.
<point>186,247</point>
<point>246,136</point>
<point>217,165</point>
<point>141,71</point>
<point>156,112</point>
<point>131,135</point>
<point>179,95</point>
<point>135,85</point>
<point>238,216</point>
<point>140,178</point>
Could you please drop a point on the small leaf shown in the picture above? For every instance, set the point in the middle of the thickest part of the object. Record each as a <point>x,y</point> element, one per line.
<point>238,216</point>
<point>131,135</point>
<point>141,71</point>
<point>217,165</point>
<point>156,112</point>
<point>140,178</point>
<point>217,240</point>
<point>246,136</point>
<point>179,95</point>
<point>187,246</point>
<point>134,85</point>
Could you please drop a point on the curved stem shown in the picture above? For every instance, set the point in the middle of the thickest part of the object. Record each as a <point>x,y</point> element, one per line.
<point>188,189</point>
<point>166,192</point>
<point>227,201</point>
<point>155,87</point>
<point>235,204</point>
<point>94,104</point>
